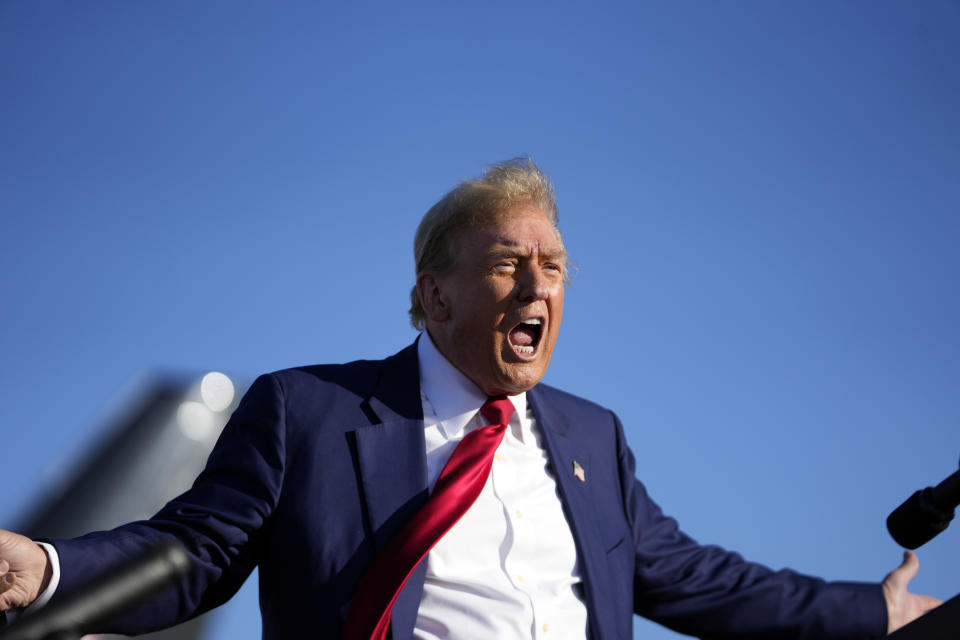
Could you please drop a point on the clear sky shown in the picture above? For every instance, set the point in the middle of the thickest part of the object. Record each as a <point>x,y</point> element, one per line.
<point>761,197</point>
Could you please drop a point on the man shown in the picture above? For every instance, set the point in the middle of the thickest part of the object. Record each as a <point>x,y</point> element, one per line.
<point>320,467</point>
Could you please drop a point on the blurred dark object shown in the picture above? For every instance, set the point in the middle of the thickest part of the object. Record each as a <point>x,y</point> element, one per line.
<point>87,609</point>
<point>150,452</point>
<point>943,623</point>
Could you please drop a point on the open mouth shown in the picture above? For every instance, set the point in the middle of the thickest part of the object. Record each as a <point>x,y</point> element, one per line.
<point>525,337</point>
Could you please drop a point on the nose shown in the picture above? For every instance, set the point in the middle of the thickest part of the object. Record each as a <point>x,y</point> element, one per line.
<point>534,284</point>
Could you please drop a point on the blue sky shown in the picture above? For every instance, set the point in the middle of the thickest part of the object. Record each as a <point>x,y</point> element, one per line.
<point>761,198</point>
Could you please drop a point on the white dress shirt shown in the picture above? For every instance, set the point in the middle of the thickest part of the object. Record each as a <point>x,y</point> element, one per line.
<point>508,568</point>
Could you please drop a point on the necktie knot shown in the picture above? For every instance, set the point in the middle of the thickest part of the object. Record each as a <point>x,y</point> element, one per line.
<point>497,409</point>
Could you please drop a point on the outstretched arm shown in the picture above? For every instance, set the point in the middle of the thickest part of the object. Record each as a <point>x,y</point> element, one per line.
<point>904,607</point>
<point>24,570</point>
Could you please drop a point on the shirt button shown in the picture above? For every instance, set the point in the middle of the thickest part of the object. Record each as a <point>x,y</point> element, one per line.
<point>521,579</point>
<point>498,457</point>
<point>519,513</point>
<point>546,627</point>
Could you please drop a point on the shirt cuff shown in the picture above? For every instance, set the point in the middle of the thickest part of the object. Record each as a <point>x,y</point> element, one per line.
<point>44,597</point>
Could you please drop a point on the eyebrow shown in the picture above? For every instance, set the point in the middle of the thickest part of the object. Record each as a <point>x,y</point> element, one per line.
<point>515,251</point>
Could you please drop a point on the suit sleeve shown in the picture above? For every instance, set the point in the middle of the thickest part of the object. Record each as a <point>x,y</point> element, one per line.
<point>714,594</point>
<point>219,521</point>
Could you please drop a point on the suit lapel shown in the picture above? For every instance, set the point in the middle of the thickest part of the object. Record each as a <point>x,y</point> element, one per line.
<point>391,451</point>
<point>576,497</point>
<point>393,473</point>
<point>392,460</point>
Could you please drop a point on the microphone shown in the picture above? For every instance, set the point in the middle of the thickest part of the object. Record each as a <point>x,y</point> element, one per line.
<point>925,514</point>
<point>90,606</point>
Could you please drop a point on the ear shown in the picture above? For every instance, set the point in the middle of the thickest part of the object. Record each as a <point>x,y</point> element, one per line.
<point>435,304</point>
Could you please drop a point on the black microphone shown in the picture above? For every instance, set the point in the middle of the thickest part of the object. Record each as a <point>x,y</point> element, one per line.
<point>925,514</point>
<point>88,607</point>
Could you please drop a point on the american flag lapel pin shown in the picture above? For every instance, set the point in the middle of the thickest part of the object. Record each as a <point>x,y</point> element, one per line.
<point>578,472</point>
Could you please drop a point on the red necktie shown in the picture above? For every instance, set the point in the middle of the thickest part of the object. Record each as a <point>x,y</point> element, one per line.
<point>456,490</point>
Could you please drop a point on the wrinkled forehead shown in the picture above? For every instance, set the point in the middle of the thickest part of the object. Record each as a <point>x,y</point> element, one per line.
<point>493,227</point>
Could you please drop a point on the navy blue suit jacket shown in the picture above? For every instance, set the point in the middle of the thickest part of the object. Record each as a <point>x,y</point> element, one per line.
<point>320,465</point>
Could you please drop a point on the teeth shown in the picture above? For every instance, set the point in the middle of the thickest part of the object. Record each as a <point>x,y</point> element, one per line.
<point>523,349</point>
<point>532,321</point>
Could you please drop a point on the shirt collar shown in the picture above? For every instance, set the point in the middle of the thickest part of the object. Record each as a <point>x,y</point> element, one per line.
<point>454,398</point>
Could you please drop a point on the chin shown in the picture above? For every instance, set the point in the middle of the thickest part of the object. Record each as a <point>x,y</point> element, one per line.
<point>515,382</point>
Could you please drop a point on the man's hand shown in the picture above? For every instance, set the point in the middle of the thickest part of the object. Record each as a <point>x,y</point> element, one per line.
<point>904,607</point>
<point>24,570</point>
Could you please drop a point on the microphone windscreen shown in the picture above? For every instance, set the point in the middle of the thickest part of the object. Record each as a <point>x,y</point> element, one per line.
<point>918,520</point>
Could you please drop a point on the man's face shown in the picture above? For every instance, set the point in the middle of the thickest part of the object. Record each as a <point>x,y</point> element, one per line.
<point>497,313</point>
